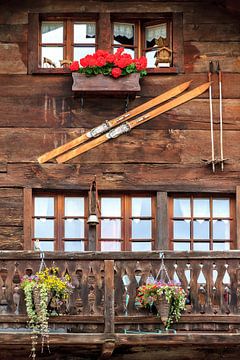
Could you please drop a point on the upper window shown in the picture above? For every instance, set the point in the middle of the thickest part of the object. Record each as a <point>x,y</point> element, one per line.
<point>145,38</point>
<point>201,223</point>
<point>65,40</point>
<point>54,41</point>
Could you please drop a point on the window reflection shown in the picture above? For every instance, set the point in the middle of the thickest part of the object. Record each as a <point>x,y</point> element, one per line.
<point>221,229</point>
<point>74,206</point>
<point>111,229</point>
<point>43,228</point>
<point>141,229</point>
<point>181,246</point>
<point>141,246</point>
<point>181,229</point>
<point>111,207</point>
<point>221,208</point>
<point>110,246</point>
<point>73,245</point>
<point>201,207</point>
<point>74,228</point>
<point>44,206</point>
<point>141,207</point>
<point>201,229</point>
<point>181,208</point>
<point>52,32</point>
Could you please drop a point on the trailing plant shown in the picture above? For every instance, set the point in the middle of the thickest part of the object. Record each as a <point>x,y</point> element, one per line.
<point>114,65</point>
<point>41,290</point>
<point>150,293</point>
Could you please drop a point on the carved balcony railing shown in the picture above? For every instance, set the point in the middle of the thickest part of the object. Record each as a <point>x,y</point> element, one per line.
<point>103,300</point>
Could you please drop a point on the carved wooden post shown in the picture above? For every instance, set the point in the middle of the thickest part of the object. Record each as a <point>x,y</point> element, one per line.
<point>109,296</point>
<point>109,344</point>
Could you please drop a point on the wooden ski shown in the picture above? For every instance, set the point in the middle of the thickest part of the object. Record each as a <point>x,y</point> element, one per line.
<point>128,126</point>
<point>106,126</point>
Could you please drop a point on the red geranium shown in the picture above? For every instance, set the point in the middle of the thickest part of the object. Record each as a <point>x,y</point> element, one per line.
<point>101,61</point>
<point>116,72</point>
<point>74,66</point>
<point>115,65</point>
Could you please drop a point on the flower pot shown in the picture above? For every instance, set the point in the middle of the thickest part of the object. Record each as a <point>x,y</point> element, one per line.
<point>106,84</point>
<point>163,308</point>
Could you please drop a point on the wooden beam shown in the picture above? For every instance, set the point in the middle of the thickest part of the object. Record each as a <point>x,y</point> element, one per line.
<point>109,296</point>
<point>33,26</point>
<point>27,218</point>
<point>107,349</point>
<point>238,217</point>
<point>104,39</point>
<point>162,221</point>
<point>178,43</point>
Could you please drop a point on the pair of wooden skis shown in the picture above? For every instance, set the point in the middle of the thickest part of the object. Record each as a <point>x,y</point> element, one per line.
<point>214,161</point>
<point>109,129</point>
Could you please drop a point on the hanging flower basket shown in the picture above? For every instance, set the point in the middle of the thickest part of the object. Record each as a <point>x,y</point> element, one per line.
<point>39,291</point>
<point>168,298</point>
<point>163,307</point>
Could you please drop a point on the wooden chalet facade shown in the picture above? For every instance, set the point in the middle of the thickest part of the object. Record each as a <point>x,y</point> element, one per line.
<point>157,192</point>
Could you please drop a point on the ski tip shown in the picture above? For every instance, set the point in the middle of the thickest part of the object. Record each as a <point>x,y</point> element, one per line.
<point>204,86</point>
<point>185,85</point>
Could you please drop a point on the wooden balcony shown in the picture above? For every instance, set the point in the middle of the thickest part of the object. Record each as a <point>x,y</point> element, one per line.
<point>102,311</point>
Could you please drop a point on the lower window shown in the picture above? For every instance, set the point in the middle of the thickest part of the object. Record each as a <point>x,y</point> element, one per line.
<point>59,222</point>
<point>201,223</point>
<point>127,223</point>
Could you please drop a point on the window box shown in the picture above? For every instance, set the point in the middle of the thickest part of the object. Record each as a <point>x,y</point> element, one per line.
<point>105,84</point>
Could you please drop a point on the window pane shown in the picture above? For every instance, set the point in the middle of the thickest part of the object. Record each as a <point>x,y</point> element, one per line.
<point>221,229</point>
<point>197,246</point>
<point>141,229</point>
<point>81,52</point>
<point>221,246</point>
<point>74,206</point>
<point>84,33</point>
<point>110,246</point>
<point>153,33</point>
<point>201,207</point>
<point>141,207</point>
<point>111,229</point>
<point>73,245</point>
<point>181,208</point>
<point>43,228</point>
<point>181,229</point>
<point>52,32</point>
<point>53,53</point>
<point>177,246</point>
<point>141,246</point>
<point>221,208</point>
<point>46,245</point>
<point>123,34</point>
<point>111,207</point>
<point>44,206</point>
<point>74,228</point>
<point>201,229</point>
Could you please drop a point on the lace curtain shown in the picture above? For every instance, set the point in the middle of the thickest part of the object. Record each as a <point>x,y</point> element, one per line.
<point>154,32</point>
<point>126,30</point>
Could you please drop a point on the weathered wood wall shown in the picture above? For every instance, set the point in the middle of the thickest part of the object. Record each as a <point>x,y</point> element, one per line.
<point>40,112</point>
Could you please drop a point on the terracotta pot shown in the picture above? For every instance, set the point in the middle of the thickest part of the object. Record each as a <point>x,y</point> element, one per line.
<point>163,308</point>
<point>105,84</point>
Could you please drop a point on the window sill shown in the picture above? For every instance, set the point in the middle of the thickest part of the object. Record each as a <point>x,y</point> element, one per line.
<point>168,70</point>
<point>50,71</point>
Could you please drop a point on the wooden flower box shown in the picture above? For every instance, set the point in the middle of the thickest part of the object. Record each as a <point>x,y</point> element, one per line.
<point>106,84</point>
